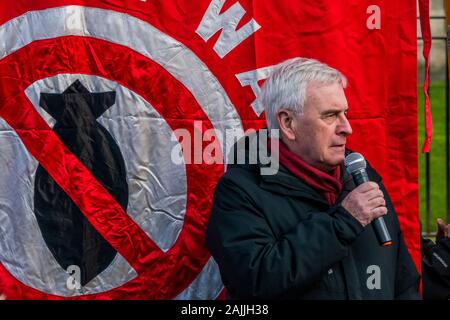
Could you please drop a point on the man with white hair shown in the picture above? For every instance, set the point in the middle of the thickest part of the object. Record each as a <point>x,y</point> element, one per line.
<point>303,232</point>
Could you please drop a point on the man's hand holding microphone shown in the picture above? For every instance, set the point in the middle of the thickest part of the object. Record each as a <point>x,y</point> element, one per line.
<point>366,202</point>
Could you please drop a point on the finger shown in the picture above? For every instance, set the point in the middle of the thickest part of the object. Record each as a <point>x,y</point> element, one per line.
<point>367,187</point>
<point>374,194</point>
<point>377,202</point>
<point>379,212</point>
<point>441,232</point>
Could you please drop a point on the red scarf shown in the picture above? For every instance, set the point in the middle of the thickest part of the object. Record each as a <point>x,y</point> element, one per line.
<point>328,185</point>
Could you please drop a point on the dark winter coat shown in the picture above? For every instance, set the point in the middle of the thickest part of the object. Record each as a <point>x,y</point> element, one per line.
<point>274,237</point>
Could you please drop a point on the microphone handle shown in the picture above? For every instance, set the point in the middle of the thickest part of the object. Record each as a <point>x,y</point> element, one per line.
<point>378,224</point>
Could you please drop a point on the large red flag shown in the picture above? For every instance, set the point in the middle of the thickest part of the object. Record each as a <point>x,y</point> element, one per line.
<point>92,94</point>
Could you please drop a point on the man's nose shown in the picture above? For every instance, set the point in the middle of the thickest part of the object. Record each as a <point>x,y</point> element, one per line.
<point>344,128</point>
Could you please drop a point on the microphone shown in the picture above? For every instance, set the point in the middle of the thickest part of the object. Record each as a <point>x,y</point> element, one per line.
<point>356,166</point>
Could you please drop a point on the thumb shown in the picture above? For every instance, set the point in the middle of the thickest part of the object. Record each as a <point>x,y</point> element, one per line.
<point>441,228</point>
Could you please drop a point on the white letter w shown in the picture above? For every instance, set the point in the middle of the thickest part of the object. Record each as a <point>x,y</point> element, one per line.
<point>229,38</point>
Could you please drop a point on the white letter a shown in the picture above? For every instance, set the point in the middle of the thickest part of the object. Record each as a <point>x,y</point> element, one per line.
<point>374,281</point>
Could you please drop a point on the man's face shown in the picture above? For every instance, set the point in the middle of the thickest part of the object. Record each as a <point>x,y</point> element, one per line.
<point>321,131</point>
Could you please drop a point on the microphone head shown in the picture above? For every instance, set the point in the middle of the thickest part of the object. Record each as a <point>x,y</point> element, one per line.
<point>355,162</point>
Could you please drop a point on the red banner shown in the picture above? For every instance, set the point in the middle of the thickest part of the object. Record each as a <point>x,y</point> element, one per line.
<point>170,65</point>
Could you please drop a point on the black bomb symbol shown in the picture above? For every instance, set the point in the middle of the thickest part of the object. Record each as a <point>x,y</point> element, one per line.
<point>68,234</point>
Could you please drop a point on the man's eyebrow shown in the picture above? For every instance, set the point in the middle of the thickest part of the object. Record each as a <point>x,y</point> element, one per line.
<point>329,111</point>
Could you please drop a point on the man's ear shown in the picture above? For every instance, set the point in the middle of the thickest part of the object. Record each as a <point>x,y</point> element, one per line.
<point>286,121</point>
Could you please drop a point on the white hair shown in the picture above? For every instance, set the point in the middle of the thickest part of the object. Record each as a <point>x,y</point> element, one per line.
<point>286,86</point>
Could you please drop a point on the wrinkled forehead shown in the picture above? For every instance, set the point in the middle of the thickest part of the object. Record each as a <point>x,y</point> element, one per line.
<point>321,96</point>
